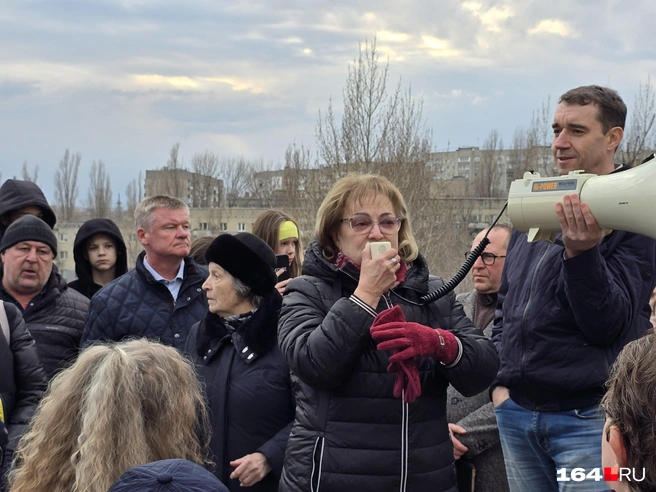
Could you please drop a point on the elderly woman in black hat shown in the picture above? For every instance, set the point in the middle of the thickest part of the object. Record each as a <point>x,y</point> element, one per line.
<point>246,377</point>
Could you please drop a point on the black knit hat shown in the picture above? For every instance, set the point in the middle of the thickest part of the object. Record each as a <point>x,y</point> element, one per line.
<point>29,228</point>
<point>247,258</point>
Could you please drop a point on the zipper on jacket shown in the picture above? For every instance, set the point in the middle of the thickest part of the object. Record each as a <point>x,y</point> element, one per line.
<point>522,365</point>
<point>316,467</point>
<point>404,443</point>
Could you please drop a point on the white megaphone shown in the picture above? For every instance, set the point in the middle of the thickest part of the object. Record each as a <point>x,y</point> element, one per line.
<point>619,201</point>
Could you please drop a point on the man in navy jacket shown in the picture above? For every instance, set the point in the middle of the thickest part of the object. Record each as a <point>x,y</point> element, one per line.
<point>161,299</point>
<point>565,311</point>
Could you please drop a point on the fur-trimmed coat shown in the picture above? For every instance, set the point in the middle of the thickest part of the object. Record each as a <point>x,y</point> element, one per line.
<point>248,389</point>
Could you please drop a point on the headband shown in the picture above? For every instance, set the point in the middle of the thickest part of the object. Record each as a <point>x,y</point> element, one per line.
<point>287,229</point>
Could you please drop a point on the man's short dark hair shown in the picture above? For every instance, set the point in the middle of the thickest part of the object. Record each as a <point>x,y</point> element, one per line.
<point>612,110</point>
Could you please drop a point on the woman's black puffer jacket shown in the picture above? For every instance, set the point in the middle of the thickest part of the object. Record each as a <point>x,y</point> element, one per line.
<point>350,432</point>
<point>22,378</point>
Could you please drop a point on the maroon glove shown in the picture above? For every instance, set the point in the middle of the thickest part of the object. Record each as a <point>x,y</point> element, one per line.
<point>388,316</point>
<point>412,339</point>
<point>407,376</point>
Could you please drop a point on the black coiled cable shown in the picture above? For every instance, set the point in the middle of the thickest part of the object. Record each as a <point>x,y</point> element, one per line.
<point>464,269</point>
<point>459,276</point>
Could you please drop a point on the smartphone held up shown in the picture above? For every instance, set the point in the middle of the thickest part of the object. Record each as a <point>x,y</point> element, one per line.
<point>282,263</point>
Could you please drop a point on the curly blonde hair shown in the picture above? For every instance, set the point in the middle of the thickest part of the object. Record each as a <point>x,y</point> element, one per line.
<point>119,405</point>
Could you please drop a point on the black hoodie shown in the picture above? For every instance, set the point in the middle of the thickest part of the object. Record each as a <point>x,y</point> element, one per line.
<point>84,283</point>
<point>16,194</point>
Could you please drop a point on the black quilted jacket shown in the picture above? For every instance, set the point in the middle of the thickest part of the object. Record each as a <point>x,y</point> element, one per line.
<point>22,379</point>
<point>136,305</point>
<point>350,432</point>
<point>248,389</point>
<point>55,318</point>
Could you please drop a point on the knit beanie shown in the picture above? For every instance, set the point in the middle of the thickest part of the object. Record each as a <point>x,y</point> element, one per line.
<point>172,475</point>
<point>29,228</point>
<point>247,258</point>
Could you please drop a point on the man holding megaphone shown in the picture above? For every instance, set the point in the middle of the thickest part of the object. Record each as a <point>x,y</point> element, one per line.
<point>566,308</point>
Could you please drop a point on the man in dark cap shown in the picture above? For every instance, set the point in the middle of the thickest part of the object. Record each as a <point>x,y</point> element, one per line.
<point>53,313</point>
<point>18,198</point>
<point>173,475</point>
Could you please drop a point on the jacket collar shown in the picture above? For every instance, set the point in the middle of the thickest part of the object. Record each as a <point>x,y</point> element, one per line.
<point>192,270</point>
<point>254,338</point>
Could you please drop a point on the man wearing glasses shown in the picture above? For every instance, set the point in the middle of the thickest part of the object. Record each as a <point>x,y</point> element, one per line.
<point>477,444</point>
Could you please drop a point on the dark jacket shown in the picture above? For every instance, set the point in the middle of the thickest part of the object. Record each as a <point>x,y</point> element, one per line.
<point>16,194</point>
<point>350,432</point>
<point>22,378</point>
<point>248,388</point>
<point>476,415</point>
<point>136,305</point>
<point>54,318</point>
<point>84,283</point>
<point>560,323</point>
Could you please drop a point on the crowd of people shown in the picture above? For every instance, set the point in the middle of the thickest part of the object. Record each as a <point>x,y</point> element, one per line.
<point>203,368</point>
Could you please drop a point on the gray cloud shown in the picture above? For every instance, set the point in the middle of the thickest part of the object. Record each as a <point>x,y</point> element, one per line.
<point>124,80</point>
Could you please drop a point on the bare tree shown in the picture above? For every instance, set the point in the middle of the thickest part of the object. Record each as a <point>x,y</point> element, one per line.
<point>66,189</point>
<point>640,137</point>
<point>236,173</point>
<point>489,173</point>
<point>531,146</point>
<point>378,126</point>
<point>133,194</point>
<point>207,188</point>
<point>100,190</point>
<point>175,184</point>
<point>27,176</point>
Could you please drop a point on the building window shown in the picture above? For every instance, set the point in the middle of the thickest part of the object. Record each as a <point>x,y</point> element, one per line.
<point>203,226</point>
<point>63,237</point>
<point>63,255</point>
<point>223,226</point>
<point>241,226</point>
<point>133,237</point>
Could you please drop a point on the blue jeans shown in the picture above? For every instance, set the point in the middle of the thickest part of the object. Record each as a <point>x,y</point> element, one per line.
<point>536,444</point>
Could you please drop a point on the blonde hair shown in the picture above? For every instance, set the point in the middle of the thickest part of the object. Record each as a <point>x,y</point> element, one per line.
<point>118,406</point>
<point>357,188</point>
<point>266,227</point>
<point>143,214</point>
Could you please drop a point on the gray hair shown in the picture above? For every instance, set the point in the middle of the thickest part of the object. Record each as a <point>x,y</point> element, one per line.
<point>143,214</point>
<point>245,292</point>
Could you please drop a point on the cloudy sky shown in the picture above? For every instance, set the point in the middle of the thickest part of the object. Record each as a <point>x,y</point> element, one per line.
<point>123,81</point>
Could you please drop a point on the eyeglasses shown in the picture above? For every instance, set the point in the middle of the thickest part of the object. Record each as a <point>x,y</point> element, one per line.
<point>361,224</point>
<point>488,258</point>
